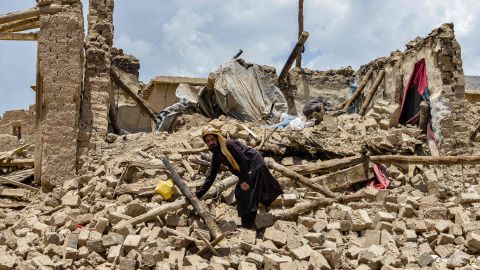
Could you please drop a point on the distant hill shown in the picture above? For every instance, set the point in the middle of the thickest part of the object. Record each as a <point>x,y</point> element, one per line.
<point>472,83</point>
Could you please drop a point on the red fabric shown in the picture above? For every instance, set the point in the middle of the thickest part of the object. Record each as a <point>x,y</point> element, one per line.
<point>381,182</point>
<point>418,79</point>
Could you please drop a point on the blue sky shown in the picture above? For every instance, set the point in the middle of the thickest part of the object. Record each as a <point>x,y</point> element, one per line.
<point>192,38</point>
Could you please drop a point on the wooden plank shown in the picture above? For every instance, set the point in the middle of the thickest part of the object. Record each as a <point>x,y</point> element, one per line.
<point>8,192</point>
<point>293,55</point>
<point>16,183</point>
<point>22,25</point>
<point>327,165</point>
<point>255,136</point>
<point>19,36</point>
<point>427,160</point>
<point>19,15</point>
<point>132,90</point>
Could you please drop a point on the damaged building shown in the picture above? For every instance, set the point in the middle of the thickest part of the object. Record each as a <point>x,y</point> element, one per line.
<point>380,172</point>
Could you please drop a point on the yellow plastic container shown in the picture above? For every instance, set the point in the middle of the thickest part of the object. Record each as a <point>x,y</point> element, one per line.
<point>165,188</point>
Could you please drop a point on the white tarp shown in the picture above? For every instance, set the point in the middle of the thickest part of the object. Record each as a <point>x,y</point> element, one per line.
<point>243,94</point>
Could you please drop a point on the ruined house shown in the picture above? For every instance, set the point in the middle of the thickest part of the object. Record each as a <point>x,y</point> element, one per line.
<point>99,208</point>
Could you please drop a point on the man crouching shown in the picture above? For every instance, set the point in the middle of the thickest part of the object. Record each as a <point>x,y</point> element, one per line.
<point>256,183</point>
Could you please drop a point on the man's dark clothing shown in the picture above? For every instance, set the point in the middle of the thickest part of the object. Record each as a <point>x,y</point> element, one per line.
<point>253,170</point>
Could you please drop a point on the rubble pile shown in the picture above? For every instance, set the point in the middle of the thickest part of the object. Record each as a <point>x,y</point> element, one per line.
<point>423,220</point>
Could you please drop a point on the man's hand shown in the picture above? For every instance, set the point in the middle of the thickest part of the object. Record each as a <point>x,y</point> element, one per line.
<point>244,186</point>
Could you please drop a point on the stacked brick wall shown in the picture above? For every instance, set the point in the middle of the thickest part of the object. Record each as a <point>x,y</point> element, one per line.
<point>61,63</point>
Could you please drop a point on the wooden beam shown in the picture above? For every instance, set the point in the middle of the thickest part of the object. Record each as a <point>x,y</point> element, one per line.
<point>17,162</point>
<point>240,51</point>
<point>176,205</point>
<point>359,90</point>
<point>132,91</point>
<point>293,55</point>
<point>22,25</point>
<point>427,160</point>
<point>16,183</point>
<point>282,82</point>
<point>19,36</point>
<point>298,63</point>
<point>307,206</point>
<point>346,177</point>
<point>327,165</point>
<point>38,122</point>
<point>8,192</point>
<point>372,92</point>
<point>300,178</point>
<point>19,15</point>
<point>194,201</point>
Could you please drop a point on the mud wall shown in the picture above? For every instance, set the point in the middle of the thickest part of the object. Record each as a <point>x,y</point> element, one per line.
<point>446,81</point>
<point>60,45</point>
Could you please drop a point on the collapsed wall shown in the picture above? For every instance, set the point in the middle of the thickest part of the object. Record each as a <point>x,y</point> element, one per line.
<point>25,119</point>
<point>446,83</point>
<point>331,84</point>
<point>60,47</point>
<point>97,90</point>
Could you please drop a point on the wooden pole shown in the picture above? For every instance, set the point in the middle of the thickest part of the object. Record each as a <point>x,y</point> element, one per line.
<point>19,36</point>
<point>424,116</point>
<point>282,82</point>
<point>240,51</point>
<point>176,205</point>
<point>194,201</point>
<point>19,15</point>
<point>124,84</point>
<point>38,122</point>
<point>300,31</point>
<point>307,206</point>
<point>359,90</point>
<point>372,92</point>
<point>427,160</point>
<point>293,55</point>
<point>300,178</point>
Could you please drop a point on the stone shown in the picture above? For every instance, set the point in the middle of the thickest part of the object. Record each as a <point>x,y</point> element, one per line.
<point>444,239</point>
<point>383,216</point>
<point>425,260</point>
<point>410,235</point>
<point>264,220</point>
<point>318,261</point>
<point>279,238</point>
<point>248,236</point>
<point>42,261</point>
<point>315,238</point>
<point>114,252</point>
<point>94,242</point>
<point>444,250</point>
<point>134,209</point>
<point>272,261</point>
<point>371,237</point>
<point>131,242</point>
<point>243,265</point>
<point>7,261</point>
<point>303,252</point>
<point>195,260</point>
<point>473,242</point>
<point>71,199</point>
<point>127,264</point>
<point>255,258</point>
<point>101,225</point>
<point>83,237</point>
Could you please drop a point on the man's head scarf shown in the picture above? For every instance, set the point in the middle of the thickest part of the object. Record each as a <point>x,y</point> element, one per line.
<point>223,145</point>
